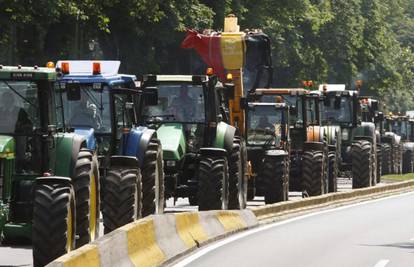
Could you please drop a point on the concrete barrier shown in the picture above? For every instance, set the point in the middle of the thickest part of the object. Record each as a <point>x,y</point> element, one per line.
<point>281,208</point>
<point>157,239</point>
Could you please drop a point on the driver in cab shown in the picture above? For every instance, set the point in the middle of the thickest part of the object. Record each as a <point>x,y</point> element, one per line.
<point>85,114</point>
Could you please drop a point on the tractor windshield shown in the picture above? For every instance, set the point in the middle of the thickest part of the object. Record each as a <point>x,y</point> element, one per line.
<point>19,107</point>
<point>264,125</point>
<point>91,109</point>
<point>400,128</point>
<point>297,102</point>
<point>182,103</point>
<point>337,110</point>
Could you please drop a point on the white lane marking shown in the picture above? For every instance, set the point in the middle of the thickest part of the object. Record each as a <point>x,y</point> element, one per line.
<point>186,261</point>
<point>382,263</point>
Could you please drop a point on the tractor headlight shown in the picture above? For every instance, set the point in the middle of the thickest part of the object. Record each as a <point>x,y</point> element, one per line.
<point>345,134</point>
<point>170,163</point>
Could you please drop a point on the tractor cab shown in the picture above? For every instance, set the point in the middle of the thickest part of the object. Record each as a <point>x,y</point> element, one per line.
<point>29,117</point>
<point>190,119</point>
<point>98,102</point>
<point>267,125</point>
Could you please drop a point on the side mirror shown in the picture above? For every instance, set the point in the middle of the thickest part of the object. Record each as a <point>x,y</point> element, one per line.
<point>337,102</point>
<point>229,90</point>
<point>150,96</point>
<point>73,92</point>
<point>244,104</point>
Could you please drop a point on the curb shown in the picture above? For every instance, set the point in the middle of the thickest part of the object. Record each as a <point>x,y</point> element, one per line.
<point>282,208</point>
<point>157,239</point>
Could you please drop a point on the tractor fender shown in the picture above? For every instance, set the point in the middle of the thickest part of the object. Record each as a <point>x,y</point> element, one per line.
<point>224,136</point>
<point>408,146</point>
<point>318,146</point>
<point>135,142</point>
<point>366,131</point>
<point>124,161</point>
<point>276,153</point>
<point>54,179</point>
<point>392,137</point>
<point>89,135</point>
<point>68,146</point>
<point>213,152</point>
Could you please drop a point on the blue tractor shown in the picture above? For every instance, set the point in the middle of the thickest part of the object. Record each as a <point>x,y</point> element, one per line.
<point>101,105</point>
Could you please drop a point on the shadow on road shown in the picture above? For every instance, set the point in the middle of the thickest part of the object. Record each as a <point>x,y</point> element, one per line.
<point>402,245</point>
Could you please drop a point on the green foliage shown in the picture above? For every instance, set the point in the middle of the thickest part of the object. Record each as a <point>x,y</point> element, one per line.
<point>331,41</point>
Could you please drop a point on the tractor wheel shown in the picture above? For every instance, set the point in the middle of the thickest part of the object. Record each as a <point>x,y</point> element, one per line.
<point>86,186</point>
<point>54,222</point>
<point>386,159</point>
<point>379,163</point>
<point>361,164</point>
<point>123,196</point>
<point>251,188</point>
<point>213,183</point>
<point>153,180</point>
<point>407,161</point>
<point>243,185</point>
<point>235,177</point>
<point>332,172</point>
<point>313,172</point>
<point>274,178</point>
<point>373,167</point>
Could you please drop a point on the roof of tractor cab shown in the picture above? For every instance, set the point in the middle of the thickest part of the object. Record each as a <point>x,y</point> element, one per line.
<point>20,73</point>
<point>82,71</point>
<point>281,91</point>
<point>276,105</point>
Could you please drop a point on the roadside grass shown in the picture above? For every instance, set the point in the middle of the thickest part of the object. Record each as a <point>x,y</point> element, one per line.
<point>399,177</point>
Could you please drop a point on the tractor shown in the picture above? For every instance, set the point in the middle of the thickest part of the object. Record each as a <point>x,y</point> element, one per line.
<point>358,139</point>
<point>245,56</point>
<point>47,187</point>
<point>101,105</point>
<point>401,126</point>
<point>268,146</point>
<point>201,150</point>
<point>308,166</point>
<point>392,150</point>
<point>370,113</point>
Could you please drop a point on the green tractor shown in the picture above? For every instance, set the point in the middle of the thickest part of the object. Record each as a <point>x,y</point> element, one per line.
<point>401,126</point>
<point>201,151</point>
<point>268,146</point>
<point>47,184</point>
<point>341,108</point>
<point>393,151</point>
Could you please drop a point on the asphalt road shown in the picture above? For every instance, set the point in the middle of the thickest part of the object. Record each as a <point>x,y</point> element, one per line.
<point>21,255</point>
<point>378,233</point>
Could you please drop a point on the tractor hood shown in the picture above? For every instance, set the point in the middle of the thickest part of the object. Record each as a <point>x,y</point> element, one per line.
<point>6,146</point>
<point>172,140</point>
<point>89,134</point>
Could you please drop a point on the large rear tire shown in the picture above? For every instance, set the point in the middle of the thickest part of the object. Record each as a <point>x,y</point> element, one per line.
<point>123,196</point>
<point>86,186</point>
<point>213,181</point>
<point>153,180</point>
<point>274,177</point>
<point>379,162</point>
<point>386,159</point>
<point>407,161</point>
<point>332,172</point>
<point>235,177</point>
<point>313,172</point>
<point>54,220</point>
<point>361,164</point>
